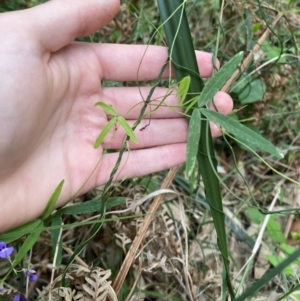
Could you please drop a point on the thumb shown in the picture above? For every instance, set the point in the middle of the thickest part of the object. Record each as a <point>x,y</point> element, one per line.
<point>57,23</point>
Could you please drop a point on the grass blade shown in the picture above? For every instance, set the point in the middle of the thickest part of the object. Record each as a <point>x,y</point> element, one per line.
<point>18,232</point>
<point>28,244</point>
<point>250,292</point>
<point>91,206</point>
<point>52,201</point>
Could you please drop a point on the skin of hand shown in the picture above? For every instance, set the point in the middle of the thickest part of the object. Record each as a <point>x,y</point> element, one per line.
<point>49,85</point>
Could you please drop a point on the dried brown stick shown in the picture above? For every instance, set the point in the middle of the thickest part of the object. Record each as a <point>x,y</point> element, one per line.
<point>142,231</point>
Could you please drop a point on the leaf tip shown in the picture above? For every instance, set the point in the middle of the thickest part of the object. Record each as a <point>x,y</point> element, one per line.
<point>280,154</point>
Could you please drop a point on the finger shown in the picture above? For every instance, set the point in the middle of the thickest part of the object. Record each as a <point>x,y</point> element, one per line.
<point>138,163</point>
<point>58,22</point>
<point>150,133</point>
<point>129,101</point>
<point>140,62</point>
<point>222,103</point>
<point>154,132</point>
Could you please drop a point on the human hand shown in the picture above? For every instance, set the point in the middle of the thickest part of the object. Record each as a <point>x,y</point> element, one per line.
<point>49,85</point>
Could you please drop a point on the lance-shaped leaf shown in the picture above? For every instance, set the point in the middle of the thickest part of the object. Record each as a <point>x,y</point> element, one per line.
<point>107,108</point>
<point>216,83</point>
<point>52,201</point>
<point>28,244</point>
<point>242,132</point>
<point>125,125</point>
<point>183,88</point>
<point>18,232</point>
<point>90,206</point>
<point>104,132</point>
<point>193,141</point>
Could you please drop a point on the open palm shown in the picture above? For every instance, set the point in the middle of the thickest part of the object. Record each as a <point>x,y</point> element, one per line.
<point>48,119</point>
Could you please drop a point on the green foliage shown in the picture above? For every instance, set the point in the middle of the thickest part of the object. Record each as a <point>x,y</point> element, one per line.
<point>182,54</point>
<point>218,80</point>
<point>249,92</point>
<point>272,52</point>
<point>274,231</point>
<point>183,87</point>
<point>193,142</point>
<point>52,201</point>
<point>105,131</point>
<point>113,122</point>
<point>242,132</point>
<point>214,85</point>
<point>290,270</point>
<point>28,244</point>
<point>124,124</point>
<point>107,108</point>
<point>269,276</point>
<point>20,231</point>
<point>90,206</point>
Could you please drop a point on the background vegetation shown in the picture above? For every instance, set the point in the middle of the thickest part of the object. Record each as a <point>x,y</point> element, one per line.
<point>179,257</point>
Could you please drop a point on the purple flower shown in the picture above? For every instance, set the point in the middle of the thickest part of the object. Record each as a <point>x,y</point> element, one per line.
<point>4,250</point>
<point>31,274</point>
<point>19,297</point>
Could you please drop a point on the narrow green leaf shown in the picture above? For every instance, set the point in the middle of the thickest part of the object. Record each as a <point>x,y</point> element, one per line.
<point>28,244</point>
<point>56,240</point>
<point>183,88</point>
<point>104,132</point>
<point>18,232</point>
<point>115,201</point>
<point>107,108</point>
<point>52,201</point>
<point>125,125</point>
<point>242,132</point>
<point>193,141</point>
<point>250,292</point>
<point>216,83</point>
<point>91,206</point>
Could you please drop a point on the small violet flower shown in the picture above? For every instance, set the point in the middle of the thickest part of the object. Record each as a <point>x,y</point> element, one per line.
<point>19,297</point>
<point>31,274</point>
<point>5,251</point>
